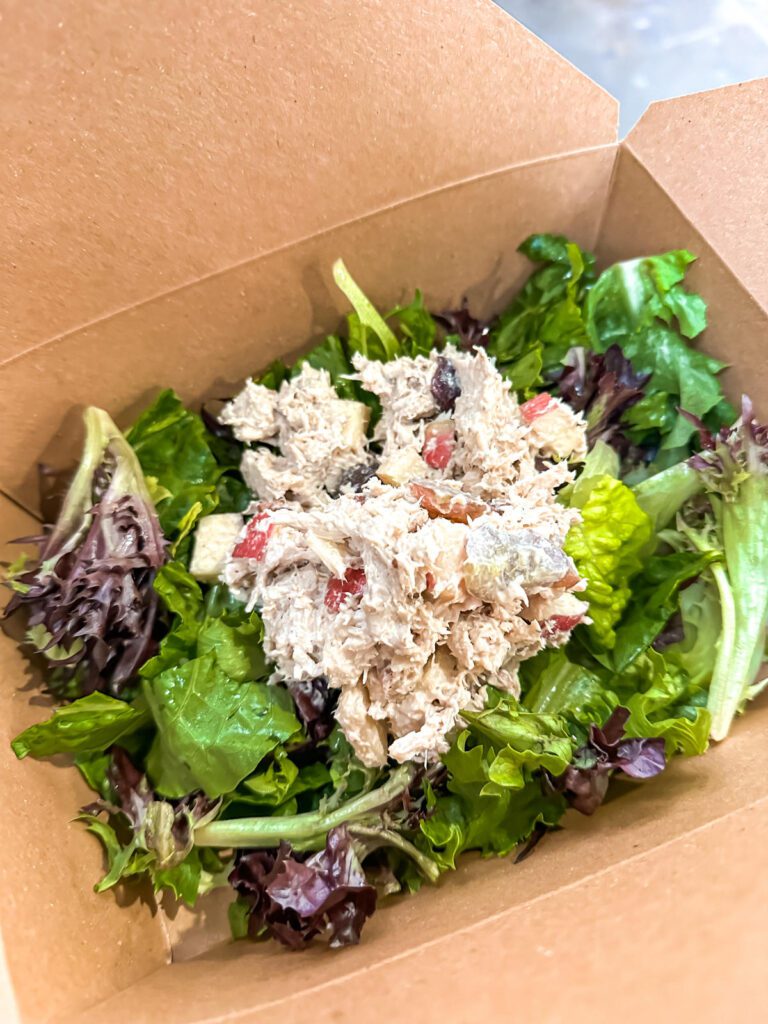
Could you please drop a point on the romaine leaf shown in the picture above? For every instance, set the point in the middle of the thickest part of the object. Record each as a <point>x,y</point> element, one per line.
<point>88,725</point>
<point>217,729</point>
<point>606,548</point>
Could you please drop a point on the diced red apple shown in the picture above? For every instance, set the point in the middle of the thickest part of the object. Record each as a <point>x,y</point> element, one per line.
<point>562,623</point>
<point>536,407</point>
<point>439,444</point>
<point>459,508</point>
<point>338,589</point>
<point>254,543</point>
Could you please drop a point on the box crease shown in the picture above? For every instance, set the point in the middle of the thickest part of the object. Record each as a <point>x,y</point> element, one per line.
<point>302,240</point>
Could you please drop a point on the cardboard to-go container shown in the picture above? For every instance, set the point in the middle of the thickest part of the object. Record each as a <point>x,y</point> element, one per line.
<point>177,181</point>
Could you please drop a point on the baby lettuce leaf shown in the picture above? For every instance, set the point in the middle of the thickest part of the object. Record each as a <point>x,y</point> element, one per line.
<point>216,717</point>
<point>555,685</point>
<point>663,702</point>
<point>86,726</point>
<point>142,834</point>
<point>606,547</point>
<point>178,455</point>
<point>212,730</point>
<point>534,334</point>
<point>494,796</point>
<point>281,782</point>
<point>173,451</point>
<point>654,601</point>
<point>330,355</point>
<point>369,332</point>
<point>416,326</point>
<point>734,469</point>
<point>642,306</point>
<point>701,621</point>
<point>664,494</point>
<point>274,375</point>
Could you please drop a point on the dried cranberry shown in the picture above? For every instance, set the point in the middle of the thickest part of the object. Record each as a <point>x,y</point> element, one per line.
<point>356,477</point>
<point>337,590</point>
<point>445,385</point>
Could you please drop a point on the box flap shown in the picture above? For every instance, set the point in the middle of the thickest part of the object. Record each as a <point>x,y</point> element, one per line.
<point>709,151</point>
<point>146,151</point>
<point>202,340</point>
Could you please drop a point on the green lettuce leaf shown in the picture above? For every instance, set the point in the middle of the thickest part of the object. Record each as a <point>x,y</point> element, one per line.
<point>216,717</point>
<point>281,782</point>
<point>654,601</point>
<point>555,685</point>
<point>416,327</point>
<point>495,795</point>
<point>173,449</point>
<point>212,731</point>
<point>533,335</point>
<point>606,547</point>
<point>702,621</point>
<point>662,699</point>
<point>88,725</point>
<point>664,494</point>
<point>642,306</point>
<point>664,702</point>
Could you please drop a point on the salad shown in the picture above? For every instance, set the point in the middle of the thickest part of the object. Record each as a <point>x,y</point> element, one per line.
<point>420,593</point>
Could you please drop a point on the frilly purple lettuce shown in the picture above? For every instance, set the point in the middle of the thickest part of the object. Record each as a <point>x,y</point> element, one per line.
<point>89,596</point>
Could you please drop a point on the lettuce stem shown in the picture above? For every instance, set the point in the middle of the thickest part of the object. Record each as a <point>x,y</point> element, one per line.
<point>269,831</point>
<point>723,699</point>
<point>366,311</point>
<point>377,837</point>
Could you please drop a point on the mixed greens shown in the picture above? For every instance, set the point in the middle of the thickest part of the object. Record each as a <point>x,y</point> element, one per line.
<point>207,774</point>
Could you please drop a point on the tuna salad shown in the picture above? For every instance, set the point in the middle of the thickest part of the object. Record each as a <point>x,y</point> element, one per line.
<point>424,591</point>
<point>409,578</point>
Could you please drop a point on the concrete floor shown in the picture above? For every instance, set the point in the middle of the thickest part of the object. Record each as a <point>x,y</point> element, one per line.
<point>643,50</point>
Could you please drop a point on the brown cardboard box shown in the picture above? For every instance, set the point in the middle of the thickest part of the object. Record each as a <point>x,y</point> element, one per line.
<point>178,182</point>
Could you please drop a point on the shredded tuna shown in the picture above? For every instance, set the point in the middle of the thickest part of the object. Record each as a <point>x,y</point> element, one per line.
<point>438,577</point>
<point>318,435</point>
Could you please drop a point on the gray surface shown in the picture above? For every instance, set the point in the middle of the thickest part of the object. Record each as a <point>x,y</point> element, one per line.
<point>644,50</point>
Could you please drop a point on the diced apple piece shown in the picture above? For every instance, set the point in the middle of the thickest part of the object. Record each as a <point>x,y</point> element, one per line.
<point>401,467</point>
<point>215,537</point>
<point>353,423</point>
